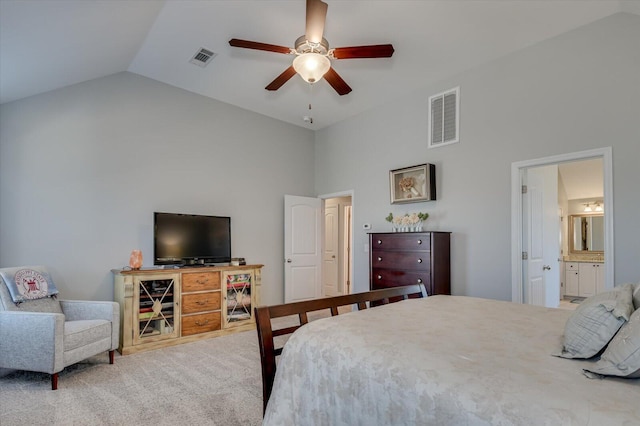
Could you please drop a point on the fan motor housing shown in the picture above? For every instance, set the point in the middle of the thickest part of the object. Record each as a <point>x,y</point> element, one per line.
<point>305,46</point>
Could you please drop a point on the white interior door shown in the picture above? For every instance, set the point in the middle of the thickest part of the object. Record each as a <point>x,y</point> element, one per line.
<point>541,229</point>
<point>518,232</point>
<point>331,250</point>
<point>302,248</point>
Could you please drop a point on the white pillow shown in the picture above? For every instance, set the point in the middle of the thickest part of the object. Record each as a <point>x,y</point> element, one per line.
<point>622,357</point>
<point>595,321</point>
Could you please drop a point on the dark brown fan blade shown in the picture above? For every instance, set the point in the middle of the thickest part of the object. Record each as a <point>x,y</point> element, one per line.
<point>337,82</point>
<point>373,51</point>
<point>316,16</point>
<point>258,46</point>
<point>281,79</point>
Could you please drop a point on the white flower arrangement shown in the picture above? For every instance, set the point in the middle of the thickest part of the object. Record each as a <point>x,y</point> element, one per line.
<point>407,222</point>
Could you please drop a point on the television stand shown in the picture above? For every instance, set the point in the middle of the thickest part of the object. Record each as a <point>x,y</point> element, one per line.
<point>165,307</point>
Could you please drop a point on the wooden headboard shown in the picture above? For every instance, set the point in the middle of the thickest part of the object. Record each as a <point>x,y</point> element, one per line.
<point>266,333</point>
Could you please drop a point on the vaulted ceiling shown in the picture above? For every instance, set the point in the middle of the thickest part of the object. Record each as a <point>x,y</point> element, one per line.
<point>49,44</point>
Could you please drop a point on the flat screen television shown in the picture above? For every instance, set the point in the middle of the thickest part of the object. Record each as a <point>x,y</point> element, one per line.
<point>189,239</point>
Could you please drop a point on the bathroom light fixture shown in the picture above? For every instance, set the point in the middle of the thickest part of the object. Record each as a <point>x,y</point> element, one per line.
<point>587,208</point>
<point>598,207</point>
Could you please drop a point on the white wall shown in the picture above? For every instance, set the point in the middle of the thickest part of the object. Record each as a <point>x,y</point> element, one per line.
<point>83,168</point>
<point>577,91</point>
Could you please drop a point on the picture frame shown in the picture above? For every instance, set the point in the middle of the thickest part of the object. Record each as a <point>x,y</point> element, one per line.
<point>413,184</point>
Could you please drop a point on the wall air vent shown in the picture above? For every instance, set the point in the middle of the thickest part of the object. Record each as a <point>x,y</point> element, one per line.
<point>202,57</point>
<point>444,118</point>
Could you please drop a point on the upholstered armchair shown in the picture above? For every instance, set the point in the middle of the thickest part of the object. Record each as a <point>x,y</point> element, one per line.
<point>45,334</point>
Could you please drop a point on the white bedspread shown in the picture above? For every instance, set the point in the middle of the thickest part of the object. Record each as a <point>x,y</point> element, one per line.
<point>444,360</point>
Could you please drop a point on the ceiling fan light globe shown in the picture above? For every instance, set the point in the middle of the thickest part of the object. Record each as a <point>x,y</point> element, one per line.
<point>311,66</point>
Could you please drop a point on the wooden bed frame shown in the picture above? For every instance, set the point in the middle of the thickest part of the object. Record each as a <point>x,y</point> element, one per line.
<point>266,333</point>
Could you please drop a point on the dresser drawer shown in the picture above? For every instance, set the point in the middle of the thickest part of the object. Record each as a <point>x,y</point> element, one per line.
<point>408,260</point>
<point>383,278</point>
<point>571,266</point>
<point>200,302</point>
<point>201,323</point>
<point>408,241</point>
<point>200,281</point>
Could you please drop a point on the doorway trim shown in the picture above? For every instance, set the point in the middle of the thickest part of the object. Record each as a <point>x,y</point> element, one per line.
<point>517,169</point>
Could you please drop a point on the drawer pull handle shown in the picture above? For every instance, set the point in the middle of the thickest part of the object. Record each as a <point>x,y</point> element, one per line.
<point>200,324</point>
<point>379,277</point>
<point>419,280</point>
<point>201,281</point>
<point>419,242</point>
<point>379,259</point>
<point>202,302</point>
<point>419,260</point>
<point>379,241</point>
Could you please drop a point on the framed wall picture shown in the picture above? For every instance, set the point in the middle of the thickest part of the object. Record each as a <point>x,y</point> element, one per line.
<point>413,184</point>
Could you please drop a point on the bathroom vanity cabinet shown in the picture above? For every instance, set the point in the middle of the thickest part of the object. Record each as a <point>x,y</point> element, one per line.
<point>584,279</point>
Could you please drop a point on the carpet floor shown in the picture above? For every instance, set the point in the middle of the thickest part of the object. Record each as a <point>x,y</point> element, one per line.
<point>210,382</point>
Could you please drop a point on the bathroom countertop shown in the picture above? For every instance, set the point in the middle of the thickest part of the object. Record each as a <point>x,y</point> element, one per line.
<point>584,259</point>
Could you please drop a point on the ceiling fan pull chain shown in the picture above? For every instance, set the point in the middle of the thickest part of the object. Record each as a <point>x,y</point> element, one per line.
<point>309,118</point>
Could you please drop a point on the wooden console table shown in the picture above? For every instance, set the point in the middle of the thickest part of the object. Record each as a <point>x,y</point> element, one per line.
<point>165,307</point>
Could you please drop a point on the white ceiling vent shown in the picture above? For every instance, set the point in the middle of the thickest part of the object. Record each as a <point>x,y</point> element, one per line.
<point>202,57</point>
<point>444,118</point>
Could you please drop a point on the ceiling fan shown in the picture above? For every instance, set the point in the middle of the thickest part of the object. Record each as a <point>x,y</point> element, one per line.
<point>313,56</point>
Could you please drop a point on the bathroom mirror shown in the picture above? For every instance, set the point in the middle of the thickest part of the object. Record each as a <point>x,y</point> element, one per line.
<point>586,233</point>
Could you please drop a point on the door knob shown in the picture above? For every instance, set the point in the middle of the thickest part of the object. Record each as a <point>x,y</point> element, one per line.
<point>288,260</point>
<point>546,268</point>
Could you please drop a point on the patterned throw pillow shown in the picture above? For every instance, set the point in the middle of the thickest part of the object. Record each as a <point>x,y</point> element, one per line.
<point>29,284</point>
<point>595,321</point>
<point>622,357</point>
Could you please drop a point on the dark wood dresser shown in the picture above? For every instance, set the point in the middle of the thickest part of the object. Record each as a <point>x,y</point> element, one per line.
<point>402,258</point>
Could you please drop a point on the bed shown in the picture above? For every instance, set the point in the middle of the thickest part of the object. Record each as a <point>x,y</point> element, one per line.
<point>442,360</point>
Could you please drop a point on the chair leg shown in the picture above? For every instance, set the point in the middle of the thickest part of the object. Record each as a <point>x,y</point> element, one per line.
<point>54,381</point>
<point>111,356</point>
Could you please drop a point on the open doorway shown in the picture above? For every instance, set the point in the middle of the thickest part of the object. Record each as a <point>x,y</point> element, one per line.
<point>537,263</point>
<point>318,246</point>
<point>337,253</point>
